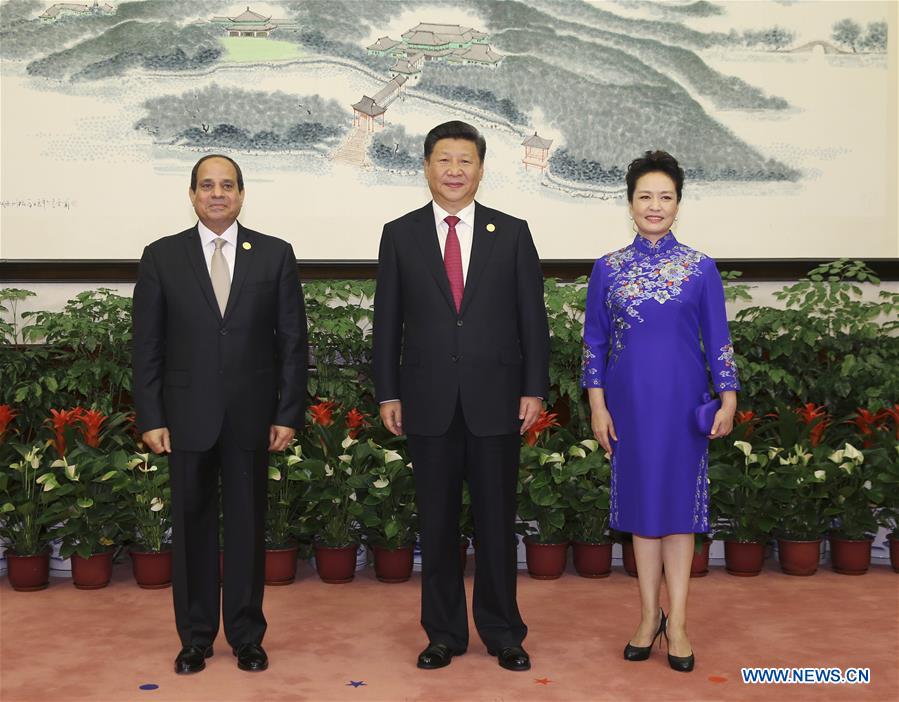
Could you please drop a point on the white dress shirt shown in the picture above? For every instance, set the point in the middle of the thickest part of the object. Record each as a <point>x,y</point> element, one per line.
<point>464,229</point>
<point>229,249</point>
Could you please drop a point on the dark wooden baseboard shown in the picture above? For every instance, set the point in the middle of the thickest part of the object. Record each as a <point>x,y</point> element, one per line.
<point>125,271</point>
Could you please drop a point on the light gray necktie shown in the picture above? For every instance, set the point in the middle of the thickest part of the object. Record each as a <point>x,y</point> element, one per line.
<point>221,278</point>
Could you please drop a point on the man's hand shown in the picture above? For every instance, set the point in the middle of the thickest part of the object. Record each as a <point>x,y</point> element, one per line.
<point>392,416</point>
<point>279,437</point>
<point>528,410</point>
<point>157,440</point>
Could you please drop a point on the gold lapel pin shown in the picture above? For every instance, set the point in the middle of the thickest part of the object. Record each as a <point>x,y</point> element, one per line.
<point>247,246</point>
<point>491,228</point>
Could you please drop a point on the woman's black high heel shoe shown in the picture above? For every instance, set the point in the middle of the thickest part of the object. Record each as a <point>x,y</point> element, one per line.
<point>682,664</point>
<point>641,653</point>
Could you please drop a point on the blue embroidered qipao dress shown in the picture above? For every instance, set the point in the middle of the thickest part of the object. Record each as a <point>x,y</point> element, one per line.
<point>647,305</point>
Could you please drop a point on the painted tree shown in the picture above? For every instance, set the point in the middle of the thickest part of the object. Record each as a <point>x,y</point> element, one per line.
<point>876,37</point>
<point>848,33</point>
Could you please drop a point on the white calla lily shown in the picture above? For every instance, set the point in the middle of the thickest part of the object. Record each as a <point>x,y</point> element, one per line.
<point>348,441</point>
<point>590,444</point>
<point>744,446</point>
<point>391,456</point>
<point>381,483</point>
<point>329,471</point>
<point>156,504</point>
<point>853,454</point>
<point>820,475</point>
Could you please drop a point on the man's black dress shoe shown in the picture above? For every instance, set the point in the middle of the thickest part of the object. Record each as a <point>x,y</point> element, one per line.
<point>437,655</point>
<point>512,658</point>
<point>192,659</point>
<point>251,656</point>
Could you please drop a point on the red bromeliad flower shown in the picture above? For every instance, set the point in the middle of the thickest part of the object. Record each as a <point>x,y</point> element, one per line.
<point>544,422</point>
<point>323,413</point>
<point>867,424</point>
<point>893,413</point>
<point>747,417</point>
<point>91,421</point>
<point>355,421</point>
<point>7,414</point>
<point>815,415</point>
<point>59,420</point>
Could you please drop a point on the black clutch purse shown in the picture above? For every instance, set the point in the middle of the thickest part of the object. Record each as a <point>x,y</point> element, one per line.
<point>705,414</point>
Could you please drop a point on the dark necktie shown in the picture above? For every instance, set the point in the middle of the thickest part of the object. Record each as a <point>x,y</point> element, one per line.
<point>452,261</point>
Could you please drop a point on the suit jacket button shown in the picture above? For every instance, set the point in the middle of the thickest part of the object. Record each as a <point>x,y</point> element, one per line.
<point>454,357</point>
<point>223,332</point>
<point>458,322</point>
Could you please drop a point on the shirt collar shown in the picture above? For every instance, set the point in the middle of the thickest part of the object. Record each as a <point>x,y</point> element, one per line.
<point>207,236</point>
<point>661,246</point>
<point>466,214</point>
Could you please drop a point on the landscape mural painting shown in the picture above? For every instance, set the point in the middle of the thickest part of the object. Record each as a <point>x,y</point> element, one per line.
<point>782,113</point>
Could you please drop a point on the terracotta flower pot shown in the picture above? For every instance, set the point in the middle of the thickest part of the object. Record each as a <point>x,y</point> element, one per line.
<point>744,559</point>
<point>281,565</point>
<point>700,566</point>
<point>152,569</point>
<point>93,572</point>
<point>628,559</point>
<point>798,557</point>
<point>545,561</point>
<point>335,564</point>
<point>393,565</point>
<point>28,573</point>
<point>850,556</point>
<point>894,552</point>
<point>592,560</point>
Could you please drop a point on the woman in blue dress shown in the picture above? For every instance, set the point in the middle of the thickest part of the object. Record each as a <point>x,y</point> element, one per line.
<point>655,318</point>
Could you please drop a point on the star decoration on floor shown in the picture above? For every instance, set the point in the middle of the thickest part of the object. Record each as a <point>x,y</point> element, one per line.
<point>356,683</point>
<point>542,681</point>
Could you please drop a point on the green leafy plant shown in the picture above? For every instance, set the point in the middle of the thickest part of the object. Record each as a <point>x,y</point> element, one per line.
<point>739,506</point>
<point>542,489</point>
<point>797,486</point>
<point>288,482</point>
<point>144,487</point>
<point>96,516</point>
<point>29,504</point>
<point>828,345</point>
<point>853,493</point>
<point>334,465</point>
<point>340,318</point>
<point>389,514</point>
<point>587,492</point>
<point>565,304</point>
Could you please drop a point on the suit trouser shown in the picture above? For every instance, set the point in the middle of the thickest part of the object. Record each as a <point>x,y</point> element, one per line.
<point>490,466</point>
<point>195,542</point>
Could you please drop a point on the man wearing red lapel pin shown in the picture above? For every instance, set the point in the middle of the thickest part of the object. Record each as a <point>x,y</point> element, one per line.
<point>461,354</point>
<point>220,363</point>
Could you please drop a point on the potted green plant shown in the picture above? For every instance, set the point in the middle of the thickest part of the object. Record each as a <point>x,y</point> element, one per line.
<point>798,489</point>
<point>333,465</point>
<point>854,498</point>
<point>741,512</point>
<point>94,514</point>
<point>389,514</point>
<point>285,490</point>
<point>542,477</point>
<point>148,497</point>
<point>587,493</point>
<point>885,477</point>
<point>29,493</point>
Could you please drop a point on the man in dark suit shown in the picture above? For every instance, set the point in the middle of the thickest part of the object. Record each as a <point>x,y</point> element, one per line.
<point>220,361</point>
<point>461,355</point>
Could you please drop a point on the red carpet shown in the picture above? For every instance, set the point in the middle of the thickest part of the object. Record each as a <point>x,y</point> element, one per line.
<point>102,645</point>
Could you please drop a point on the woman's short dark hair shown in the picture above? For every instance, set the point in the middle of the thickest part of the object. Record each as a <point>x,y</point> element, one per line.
<point>654,162</point>
<point>455,130</point>
<point>196,168</point>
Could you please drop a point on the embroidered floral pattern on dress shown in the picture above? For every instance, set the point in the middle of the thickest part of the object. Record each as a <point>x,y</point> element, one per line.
<point>589,369</point>
<point>613,495</point>
<point>701,497</point>
<point>729,371</point>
